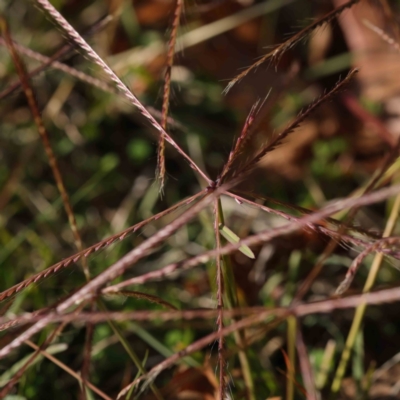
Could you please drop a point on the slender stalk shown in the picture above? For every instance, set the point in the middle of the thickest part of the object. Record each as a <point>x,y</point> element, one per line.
<point>220,305</point>
<point>232,303</point>
<point>291,346</point>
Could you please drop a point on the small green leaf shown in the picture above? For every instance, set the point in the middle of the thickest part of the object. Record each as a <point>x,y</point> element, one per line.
<point>231,237</point>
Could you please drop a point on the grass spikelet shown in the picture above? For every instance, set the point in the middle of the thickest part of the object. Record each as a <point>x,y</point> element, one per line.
<point>375,247</point>
<point>54,61</point>
<point>388,160</point>
<point>292,126</point>
<point>167,91</point>
<point>242,138</point>
<point>76,38</point>
<point>221,272</point>
<point>276,54</point>
<point>117,269</point>
<point>262,237</point>
<point>87,252</point>
<point>339,237</point>
<point>145,296</point>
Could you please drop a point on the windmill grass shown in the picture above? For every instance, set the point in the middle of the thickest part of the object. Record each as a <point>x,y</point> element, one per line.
<point>234,320</point>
